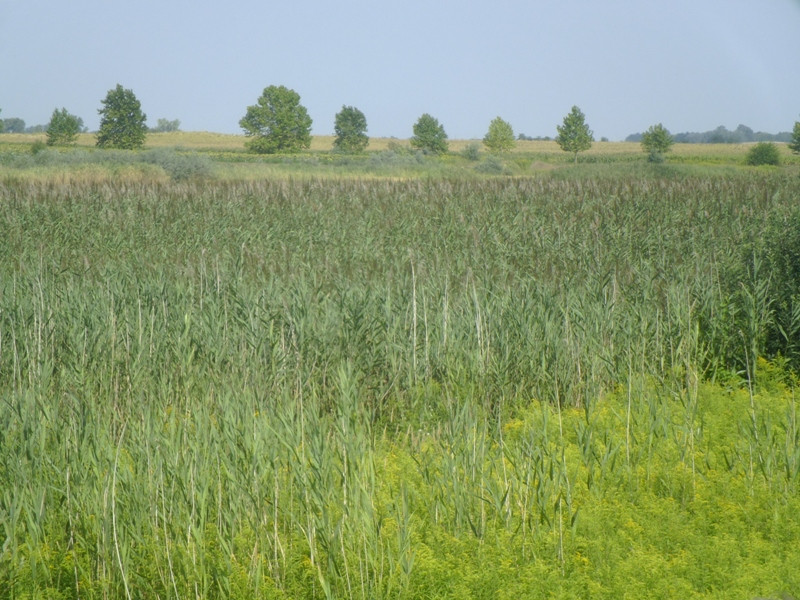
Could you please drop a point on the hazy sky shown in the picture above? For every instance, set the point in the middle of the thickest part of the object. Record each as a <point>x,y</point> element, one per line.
<point>690,64</point>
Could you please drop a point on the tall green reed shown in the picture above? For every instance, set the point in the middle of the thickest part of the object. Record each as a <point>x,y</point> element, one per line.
<point>199,379</point>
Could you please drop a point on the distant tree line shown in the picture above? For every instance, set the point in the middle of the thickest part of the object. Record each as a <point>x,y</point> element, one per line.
<point>278,122</point>
<point>166,126</point>
<point>17,125</point>
<point>539,138</point>
<point>742,134</point>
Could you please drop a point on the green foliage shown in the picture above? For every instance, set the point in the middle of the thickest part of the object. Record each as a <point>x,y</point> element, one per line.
<point>396,157</point>
<point>179,165</point>
<point>491,166</point>
<point>122,122</point>
<point>500,137</point>
<point>63,128</point>
<point>166,126</point>
<point>472,151</point>
<point>574,134</point>
<point>351,130</point>
<point>763,153</point>
<point>429,136</point>
<point>656,141</point>
<point>384,388</point>
<point>721,135</point>
<point>277,123</point>
<point>781,252</point>
<point>794,145</point>
<point>13,125</point>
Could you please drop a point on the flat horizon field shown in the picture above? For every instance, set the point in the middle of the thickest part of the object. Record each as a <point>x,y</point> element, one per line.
<point>204,140</point>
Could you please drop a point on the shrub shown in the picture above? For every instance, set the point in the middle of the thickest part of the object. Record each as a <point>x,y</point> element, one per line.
<point>472,152</point>
<point>179,166</point>
<point>396,157</point>
<point>491,166</point>
<point>763,153</point>
<point>37,147</point>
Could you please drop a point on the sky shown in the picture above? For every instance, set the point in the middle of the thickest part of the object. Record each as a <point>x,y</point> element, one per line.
<point>628,64</point>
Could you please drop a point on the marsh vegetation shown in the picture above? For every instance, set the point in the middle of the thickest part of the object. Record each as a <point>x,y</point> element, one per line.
<point>575,384</point>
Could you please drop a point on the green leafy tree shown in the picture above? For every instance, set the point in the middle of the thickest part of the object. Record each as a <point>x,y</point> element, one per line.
<point>122,122</point>
<point>429,135</point>
<point>500,137</point>
<point>794,145</point>
<point>166,126</point>
<point>574,134</point>
<point>351,130</point>
<point>277,123</point>
<point>63,128</point>
<point>13,125</point>
<point>763,153</point>
<point>657,141</point>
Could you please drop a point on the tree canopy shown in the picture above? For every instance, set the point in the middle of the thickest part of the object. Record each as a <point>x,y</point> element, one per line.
<point>657,141</point>
<point>574,134</point>
<point>429,135</point>
<point>277,122</point>
<point>794,145</point>
<point>122,122</point>
<point>166,126</point>
<point>351,130</point>
<point>500,137</point>
<point>63,128</point>
<point>13,125</point>
<point>721,135</point>
<point>763,153</point>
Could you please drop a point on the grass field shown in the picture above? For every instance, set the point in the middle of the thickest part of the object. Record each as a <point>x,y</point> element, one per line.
<point>397,377</point>
<point>187,155</point>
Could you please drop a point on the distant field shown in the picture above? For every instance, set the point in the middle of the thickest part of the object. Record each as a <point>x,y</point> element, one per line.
<point>541,150</point>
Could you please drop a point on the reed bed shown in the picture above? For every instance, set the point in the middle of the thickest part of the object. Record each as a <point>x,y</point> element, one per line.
<point>309,388</point>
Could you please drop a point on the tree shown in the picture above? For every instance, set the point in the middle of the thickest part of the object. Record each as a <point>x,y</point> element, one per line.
<point>794,145</point>
<point>351,130</point>
<point>763,153</point>
<point>278,123</point>
<point>574,135</point>
<point>122,122</point>
<point>166,126</point>
<point>657,141</point>
<point>429,135</point>
<point>500,137</point>
<point>744,133</point>
<point>13,125</point>
<point>63,128</point>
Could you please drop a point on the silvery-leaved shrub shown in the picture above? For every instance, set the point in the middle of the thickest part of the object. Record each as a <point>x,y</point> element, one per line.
<point>177,165</point>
